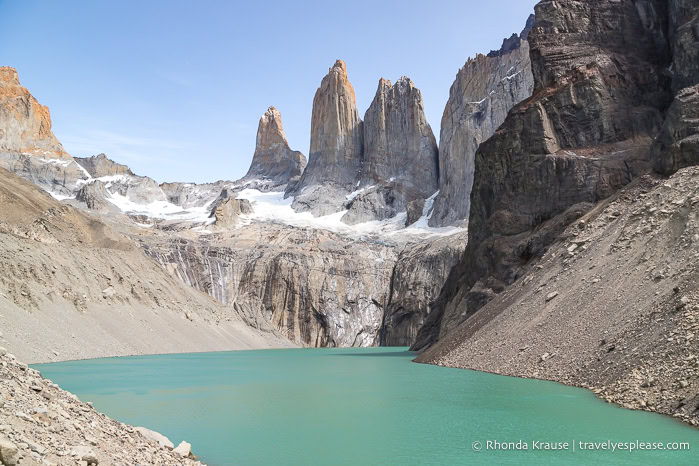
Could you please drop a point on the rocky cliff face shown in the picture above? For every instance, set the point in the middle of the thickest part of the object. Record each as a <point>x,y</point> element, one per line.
<point>485,90</point>
<point>600,89</point>
<point>315,287</point>
<point>678,144</point>
<point>399,149</point>
<point>273,159</point>
<point>613,305</point>
<point>74,286</point>
<point>27,145</point>
<point>25,124</point>
<point>335,156</point>
<point>418,276</point>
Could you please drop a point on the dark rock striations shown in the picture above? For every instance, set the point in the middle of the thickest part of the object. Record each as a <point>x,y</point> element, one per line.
<point>678,144</point>
<point>600,92</point>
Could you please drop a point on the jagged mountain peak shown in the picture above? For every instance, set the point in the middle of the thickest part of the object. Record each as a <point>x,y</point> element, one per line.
<point>273,160</point>
<point>335,156</point>
<point>100,165</point>
<point>515,40</point>
<point>25,125</point>
<point>8,76</point>
<point>270,131</point>
<point>339,67</point>
<point>403,84</point>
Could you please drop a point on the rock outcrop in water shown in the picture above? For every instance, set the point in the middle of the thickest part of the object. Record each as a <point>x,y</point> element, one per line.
<point>600,90</point>
<point>335,157</point>
<point>273,159</point>
<point>485,90</point>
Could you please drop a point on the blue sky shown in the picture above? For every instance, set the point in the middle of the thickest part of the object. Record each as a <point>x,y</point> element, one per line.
<point>175,88</point>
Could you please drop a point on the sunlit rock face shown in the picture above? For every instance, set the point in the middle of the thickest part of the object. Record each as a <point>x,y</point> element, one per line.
<point>273,159</point>
<point>27,145</point>
<point>484,91</point>
<point>335,157</point>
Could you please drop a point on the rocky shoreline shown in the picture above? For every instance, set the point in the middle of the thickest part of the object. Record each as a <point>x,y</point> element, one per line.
<point>41,424</point>
<point>588,315</point>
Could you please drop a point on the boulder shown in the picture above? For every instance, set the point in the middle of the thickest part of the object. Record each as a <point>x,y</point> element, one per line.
<point>156,437</point>
<point>184,449</point>
<point>9,453</point>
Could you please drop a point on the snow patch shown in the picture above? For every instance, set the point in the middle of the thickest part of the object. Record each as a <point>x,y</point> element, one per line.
<point>160,209</point>
<point>422,227</point>
<point>272,207</point>
<point>511,76</point>
<point>351,196</point>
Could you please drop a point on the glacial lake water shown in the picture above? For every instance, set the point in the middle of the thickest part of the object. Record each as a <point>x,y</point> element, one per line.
<point>368,406</point>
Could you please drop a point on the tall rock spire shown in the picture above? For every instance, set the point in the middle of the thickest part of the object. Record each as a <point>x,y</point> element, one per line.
<point>273,159</point>
<point>335,156</point>
<point>401,159</point>
<point>398,142</point>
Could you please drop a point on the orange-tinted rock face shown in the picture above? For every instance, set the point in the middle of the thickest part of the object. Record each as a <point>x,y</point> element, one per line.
<point>25,125</point>
<point>273,159</point>
<point>336,142</point>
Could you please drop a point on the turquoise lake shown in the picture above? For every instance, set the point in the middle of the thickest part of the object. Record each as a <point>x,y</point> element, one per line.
<point>358,406</point>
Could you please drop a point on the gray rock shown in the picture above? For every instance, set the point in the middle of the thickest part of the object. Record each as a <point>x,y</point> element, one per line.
<point>85,453</point>
<point>569,146</point>
<point>94,195</point>
<point>415,211</point>
<point>156,437</point>
<point>419,274</point>
<point>184,449</point>
<point>677,146</point>
<point>228,211</point>
<point>484,91</point>
<point>9,453</point>
<point>99,165</point>
<point>380,202</point>
<point>399,146</point>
